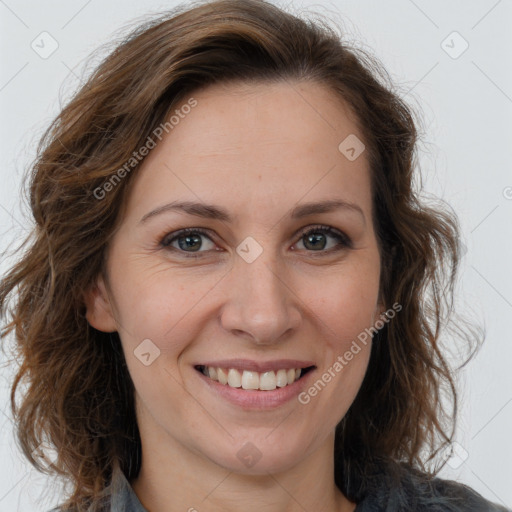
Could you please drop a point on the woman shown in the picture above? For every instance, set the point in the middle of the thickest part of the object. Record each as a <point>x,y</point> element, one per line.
<point>232,295</point>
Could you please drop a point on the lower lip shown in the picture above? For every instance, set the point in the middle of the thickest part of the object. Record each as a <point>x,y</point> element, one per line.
<point>257,399</point>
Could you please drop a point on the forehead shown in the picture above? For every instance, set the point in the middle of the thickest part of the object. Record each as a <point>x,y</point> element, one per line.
<point>272,142</point>
<point>241,117</point>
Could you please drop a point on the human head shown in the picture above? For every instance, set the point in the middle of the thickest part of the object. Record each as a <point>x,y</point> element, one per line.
<point>77,371</point>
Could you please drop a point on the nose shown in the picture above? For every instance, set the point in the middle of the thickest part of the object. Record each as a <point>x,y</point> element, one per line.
<point>260,305</point>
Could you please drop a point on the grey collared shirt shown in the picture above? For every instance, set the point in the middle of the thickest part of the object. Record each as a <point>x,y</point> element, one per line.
<point>413,494</point>
<point>125,500</point>
<point>120,497</point>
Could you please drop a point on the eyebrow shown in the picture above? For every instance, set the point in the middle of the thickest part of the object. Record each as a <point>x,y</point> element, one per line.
<point>210,211</point>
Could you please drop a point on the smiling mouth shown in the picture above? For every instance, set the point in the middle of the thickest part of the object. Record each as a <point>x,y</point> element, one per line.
<point>252,380</point>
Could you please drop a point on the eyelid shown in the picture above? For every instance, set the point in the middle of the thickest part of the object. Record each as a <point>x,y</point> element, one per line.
<point>181,232</point>
<point>329,230</point>
<point>343,238</point>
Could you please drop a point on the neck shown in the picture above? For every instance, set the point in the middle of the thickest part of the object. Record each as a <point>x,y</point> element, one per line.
<point>175,478</point>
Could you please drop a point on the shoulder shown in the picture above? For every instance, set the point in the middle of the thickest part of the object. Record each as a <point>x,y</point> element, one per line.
<point>117,496</point>
<point>440,495</point>
<point>401,488</point>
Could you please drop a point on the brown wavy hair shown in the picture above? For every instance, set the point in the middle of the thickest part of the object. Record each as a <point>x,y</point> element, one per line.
<point>78,395</point>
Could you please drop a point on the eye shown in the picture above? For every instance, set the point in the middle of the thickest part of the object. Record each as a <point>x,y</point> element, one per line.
<point>315,239</point>
<point>187,240</point>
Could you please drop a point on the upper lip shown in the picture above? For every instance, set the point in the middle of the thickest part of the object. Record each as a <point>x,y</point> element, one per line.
<point>258,366</point>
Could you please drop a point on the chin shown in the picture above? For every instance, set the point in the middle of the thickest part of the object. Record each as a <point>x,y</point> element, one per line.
<point>260,455</point>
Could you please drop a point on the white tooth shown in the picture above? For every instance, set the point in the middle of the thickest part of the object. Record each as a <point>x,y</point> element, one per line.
<point>222,376</point>
<point>290,374</point>
<point>234,378</point>
<point>268,381</point>
<point>250,380</point>
<point>212,373</point>
<point>281,378</point>
<point>298,371</point>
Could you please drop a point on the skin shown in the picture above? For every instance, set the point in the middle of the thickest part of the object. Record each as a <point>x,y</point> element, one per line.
<point>257,150</point>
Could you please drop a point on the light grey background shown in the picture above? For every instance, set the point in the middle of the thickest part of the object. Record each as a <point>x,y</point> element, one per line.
<point>465,156</point>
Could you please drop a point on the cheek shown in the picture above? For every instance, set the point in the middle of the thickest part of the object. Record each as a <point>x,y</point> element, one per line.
<point>345,300</point>
<point>159,313</point>
<point>345,307</point>
<point>345,317</point>
<point>159,302</point>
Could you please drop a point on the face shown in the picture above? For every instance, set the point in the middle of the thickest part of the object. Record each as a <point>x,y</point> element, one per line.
<point>266,289</point>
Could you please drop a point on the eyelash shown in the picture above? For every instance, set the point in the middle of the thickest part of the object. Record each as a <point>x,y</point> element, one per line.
<point>343,241</point>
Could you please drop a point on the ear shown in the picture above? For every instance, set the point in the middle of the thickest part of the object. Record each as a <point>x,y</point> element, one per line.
<point>99,311</point>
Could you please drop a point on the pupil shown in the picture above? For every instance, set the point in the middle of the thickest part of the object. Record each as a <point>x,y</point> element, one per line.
<point>316,241</point>
<point>189,242</point>
<point>316,238</point>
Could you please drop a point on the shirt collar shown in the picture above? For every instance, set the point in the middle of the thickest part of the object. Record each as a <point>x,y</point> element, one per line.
<point>123,497</point>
